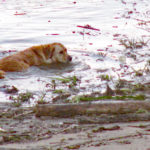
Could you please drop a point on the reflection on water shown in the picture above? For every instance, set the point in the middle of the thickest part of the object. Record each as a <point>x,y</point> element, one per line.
<point>95,52</point>
<point>24,23</point>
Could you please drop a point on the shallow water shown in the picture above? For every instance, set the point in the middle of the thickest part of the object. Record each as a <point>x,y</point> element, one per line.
<point>95,51</point>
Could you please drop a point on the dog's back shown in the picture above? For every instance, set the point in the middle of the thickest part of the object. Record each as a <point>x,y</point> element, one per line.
<point>34,56</point>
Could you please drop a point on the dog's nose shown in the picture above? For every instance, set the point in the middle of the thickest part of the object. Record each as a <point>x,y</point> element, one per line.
<point>69,58</point>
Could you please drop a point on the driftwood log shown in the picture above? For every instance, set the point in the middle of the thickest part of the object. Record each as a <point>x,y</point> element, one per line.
<point>70,110</point>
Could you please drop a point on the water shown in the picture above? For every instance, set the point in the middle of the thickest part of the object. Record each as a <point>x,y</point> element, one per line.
<point>33,22</point>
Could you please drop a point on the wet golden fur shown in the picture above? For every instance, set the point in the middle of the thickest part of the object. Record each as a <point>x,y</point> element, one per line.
<point>34,56</point>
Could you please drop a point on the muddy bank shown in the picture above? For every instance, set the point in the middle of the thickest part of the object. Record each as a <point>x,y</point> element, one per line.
<point>21,129</point>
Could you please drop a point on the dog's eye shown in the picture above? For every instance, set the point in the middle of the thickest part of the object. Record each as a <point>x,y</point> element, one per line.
<point>61,52</point>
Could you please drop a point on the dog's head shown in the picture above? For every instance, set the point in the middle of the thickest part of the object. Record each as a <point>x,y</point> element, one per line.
<point>58,53</point>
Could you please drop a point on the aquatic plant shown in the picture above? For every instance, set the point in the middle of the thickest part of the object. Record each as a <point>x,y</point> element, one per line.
<point>77,99</point>
<point>70,81</point>
<point>133,43</point>
<point>41,99</point>
<point>21,98</point>
<point>106,77</point>
<point>60,91</point>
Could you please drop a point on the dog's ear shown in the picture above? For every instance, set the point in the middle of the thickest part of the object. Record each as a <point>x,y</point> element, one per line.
<point>52,52</point>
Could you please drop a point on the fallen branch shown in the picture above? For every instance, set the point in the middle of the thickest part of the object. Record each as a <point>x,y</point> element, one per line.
<point>69,110</point>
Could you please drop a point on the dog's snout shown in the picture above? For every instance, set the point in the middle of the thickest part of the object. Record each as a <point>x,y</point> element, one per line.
<point>69,58</point>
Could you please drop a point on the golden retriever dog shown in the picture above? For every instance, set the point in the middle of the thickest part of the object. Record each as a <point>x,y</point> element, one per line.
<point>34,56</point>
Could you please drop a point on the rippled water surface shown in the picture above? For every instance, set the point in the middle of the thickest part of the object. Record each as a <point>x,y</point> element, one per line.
<point>95,51</point>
